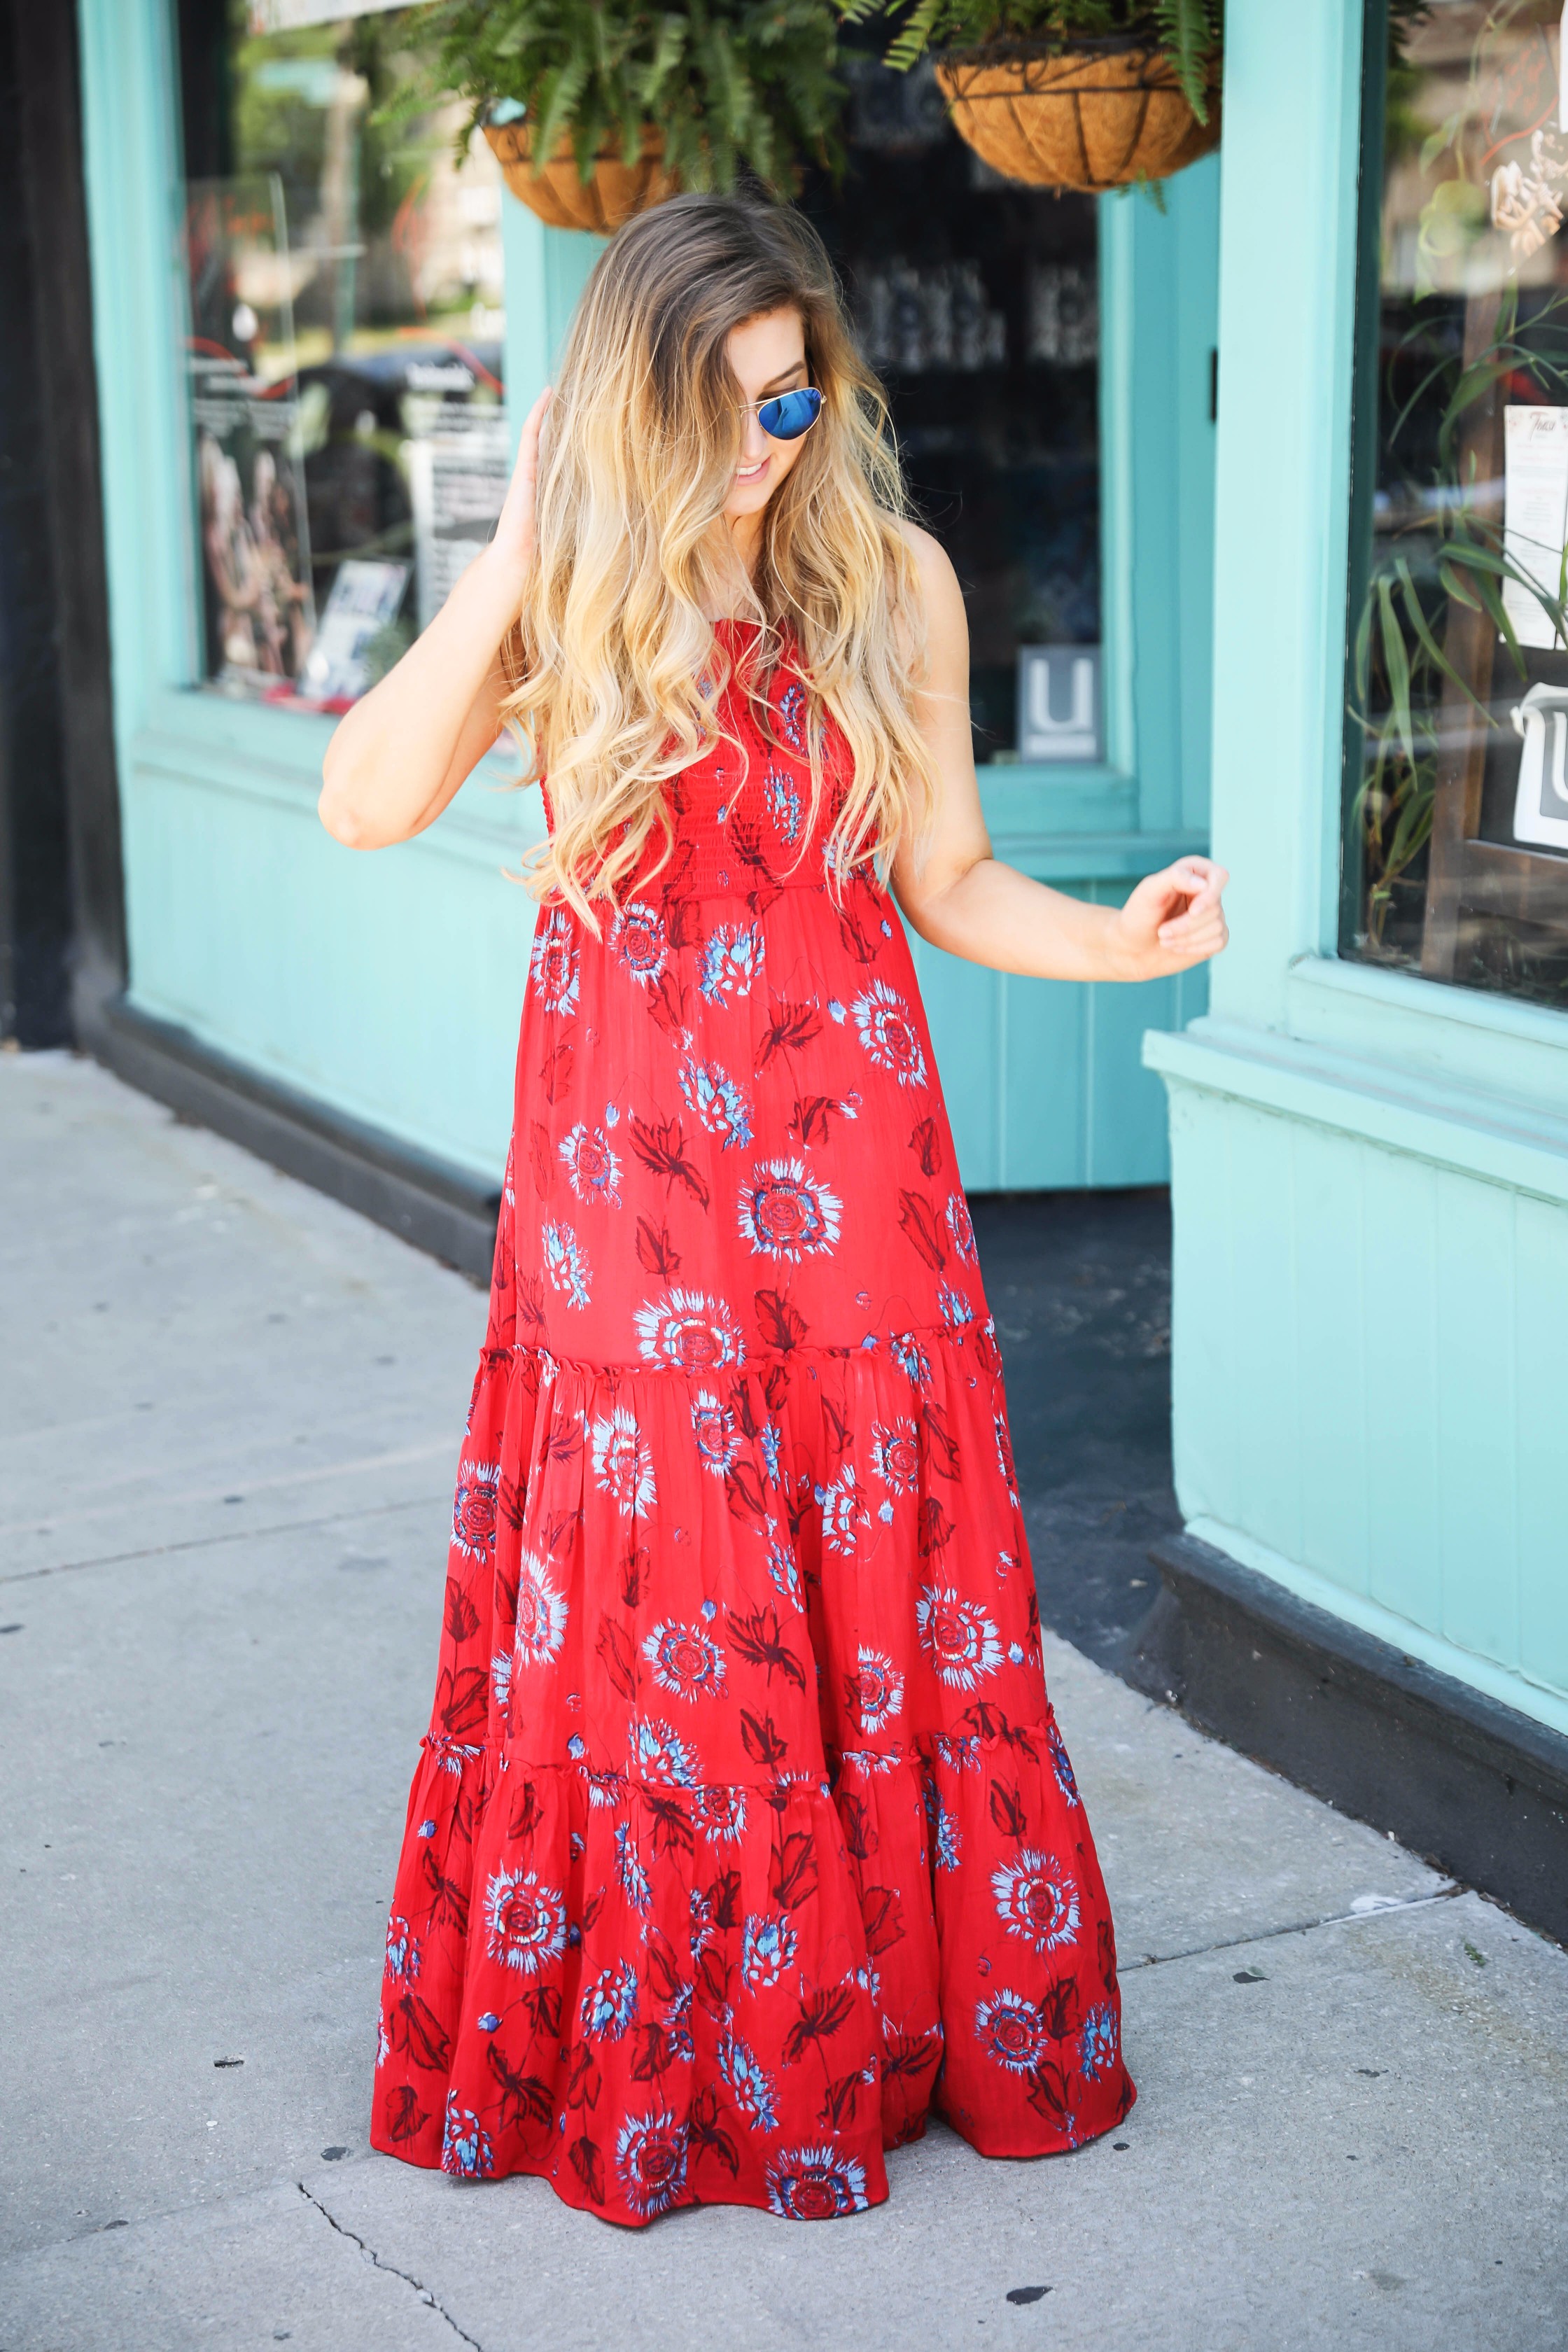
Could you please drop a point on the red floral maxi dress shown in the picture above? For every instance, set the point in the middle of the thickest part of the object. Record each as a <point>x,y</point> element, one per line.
<point>743,1834</point>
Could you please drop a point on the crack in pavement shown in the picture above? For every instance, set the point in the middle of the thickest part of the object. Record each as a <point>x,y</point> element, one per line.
<point>420,2289</point>
<point>1296,1927</point>
<point>228,1536</point>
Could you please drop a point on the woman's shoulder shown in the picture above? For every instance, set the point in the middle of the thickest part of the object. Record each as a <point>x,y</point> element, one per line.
<point>941,598</point>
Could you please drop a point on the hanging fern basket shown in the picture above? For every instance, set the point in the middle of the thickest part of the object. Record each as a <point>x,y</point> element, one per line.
<point>1100,116</point>
<point>563,199</point>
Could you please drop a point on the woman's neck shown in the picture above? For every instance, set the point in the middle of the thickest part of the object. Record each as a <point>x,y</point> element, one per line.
<point>738,553</point>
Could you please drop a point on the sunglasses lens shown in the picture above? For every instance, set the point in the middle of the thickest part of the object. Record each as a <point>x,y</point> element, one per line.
<point>790,414</point>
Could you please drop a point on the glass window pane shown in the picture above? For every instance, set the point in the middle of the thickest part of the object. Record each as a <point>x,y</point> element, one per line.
<point>347,317</point>
<point>977,302</point>
<point>1456,809</point>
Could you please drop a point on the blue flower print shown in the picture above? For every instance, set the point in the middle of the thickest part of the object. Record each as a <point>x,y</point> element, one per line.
<point>665,1757</point>
<point>605,1789</point>
<point>786,1213</point>
<point>623,1461</point>
<point>633,1878</point>
<point>844,1511</point>
<point>713,1427</point>
<point>784,1574</point>
<point>402,1951</point>
<point>961,1228</point>
<point>947,1839</point>
<point>542,1614</point>
<point>500,1680</point>
<point>815,2184</point>
<point>957,1636</point>
<point>875,1691</point>
<point>889,1034</point>
<point>911,1358</point>
<point>466,2148</point>
<point>767,1948</point>
<point>895,1455</point>
<point>554,966</point>
<point>525,1920</point>
<point>1037,1899</point>
<point>1061,1763</point>
<point>1005,1457</point>
<point>651,2160</point>
<point>688,1332</point>
<point>792,717</point>
<point>718,1102</point>
<point>754,2095</point>
<point>474,1509</point>
<point>783,803</point>
<point>1098,2045</point>
<point>638,938</point>
<point>731,959</point>
<point>609,2003</point>
<point>720,1812</point>
<point>565,1264</point>
<point>956,1310</point>
<point>593,1170</point>
<point>1011,2030</point>
<point>685,1660</point>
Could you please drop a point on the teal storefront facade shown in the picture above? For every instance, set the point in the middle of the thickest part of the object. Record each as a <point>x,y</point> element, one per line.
<point>387,990</point>
<point>1369,1167</point>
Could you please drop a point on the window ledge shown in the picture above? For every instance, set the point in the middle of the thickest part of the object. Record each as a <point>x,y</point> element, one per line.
<point>1384,1101</point>
<point>1498,1047</point>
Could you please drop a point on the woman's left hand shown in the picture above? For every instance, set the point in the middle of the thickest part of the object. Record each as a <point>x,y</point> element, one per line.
<point>1174,918</point>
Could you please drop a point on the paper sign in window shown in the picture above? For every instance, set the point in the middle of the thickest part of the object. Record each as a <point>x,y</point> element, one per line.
<point>1535,516</point>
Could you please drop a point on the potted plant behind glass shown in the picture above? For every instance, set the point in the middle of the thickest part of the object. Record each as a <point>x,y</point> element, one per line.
<point>1070,93</point>
<point>598,108</point>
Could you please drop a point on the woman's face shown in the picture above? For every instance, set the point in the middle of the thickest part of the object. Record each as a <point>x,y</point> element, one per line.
<point>766,355</point>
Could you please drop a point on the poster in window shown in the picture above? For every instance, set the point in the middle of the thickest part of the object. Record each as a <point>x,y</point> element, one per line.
<point>259,616</point>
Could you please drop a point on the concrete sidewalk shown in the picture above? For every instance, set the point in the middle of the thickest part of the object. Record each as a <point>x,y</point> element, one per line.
<point>229,1411</point>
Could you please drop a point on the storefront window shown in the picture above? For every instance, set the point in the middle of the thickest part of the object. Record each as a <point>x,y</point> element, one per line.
<point>976,300</point>
<point>349,447</point>
<point>345,360</point>
<point>1455,859</point>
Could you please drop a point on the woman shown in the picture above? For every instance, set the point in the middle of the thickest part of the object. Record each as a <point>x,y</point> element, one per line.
<point>743,1834</point>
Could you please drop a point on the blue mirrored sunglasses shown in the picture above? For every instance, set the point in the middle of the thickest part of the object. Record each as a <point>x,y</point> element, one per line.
<point>789,416</point>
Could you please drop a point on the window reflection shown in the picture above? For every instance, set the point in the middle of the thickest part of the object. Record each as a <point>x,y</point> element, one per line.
<point>347,323</point>
<point>976,300</point>
<point>1455,859</point>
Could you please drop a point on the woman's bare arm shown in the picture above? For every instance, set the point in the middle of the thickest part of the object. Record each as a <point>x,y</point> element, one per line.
<point>966,900</point>
<point>401,753</point>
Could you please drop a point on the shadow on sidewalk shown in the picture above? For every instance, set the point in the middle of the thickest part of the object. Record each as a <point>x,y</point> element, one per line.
<point>1079,1284</point>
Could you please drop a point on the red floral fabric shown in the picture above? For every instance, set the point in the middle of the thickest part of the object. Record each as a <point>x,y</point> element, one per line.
<point>743,1834</point>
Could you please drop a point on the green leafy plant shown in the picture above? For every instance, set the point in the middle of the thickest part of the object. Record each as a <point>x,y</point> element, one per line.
<point>1187,32</point>
<point>733,85</point>
<point>1444,544</point>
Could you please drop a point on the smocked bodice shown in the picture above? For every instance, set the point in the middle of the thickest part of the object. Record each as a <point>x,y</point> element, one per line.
<point>741,819</point>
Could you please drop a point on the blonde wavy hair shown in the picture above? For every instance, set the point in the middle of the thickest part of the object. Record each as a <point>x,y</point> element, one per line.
<point>611,653</point>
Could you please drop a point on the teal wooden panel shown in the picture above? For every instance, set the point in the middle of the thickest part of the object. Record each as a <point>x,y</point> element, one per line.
<point>1331,1273</point>
<point>390,985</point>
<point>1287,236</point>
<point>1398,1335</point>
<point>1416,1384</point>
<point>1262,1399</point>
<point>1541,1245</point>
<point>1204,1310</point>
<point>1196,219</point>
<point>1041,1099</point>
<point>1476,1437</point>
<point>1126,1116</point>
<point>961,1001</point>
<point>546,271</point>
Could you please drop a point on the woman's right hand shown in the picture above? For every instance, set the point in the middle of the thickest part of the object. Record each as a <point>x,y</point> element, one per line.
<point>515,531</point>
<point>405,748</point>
